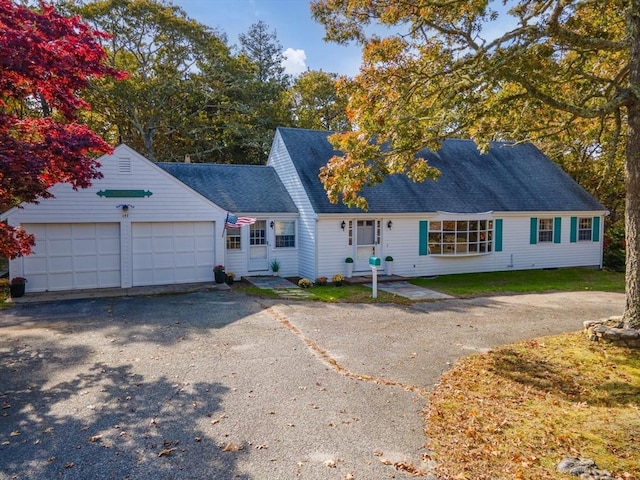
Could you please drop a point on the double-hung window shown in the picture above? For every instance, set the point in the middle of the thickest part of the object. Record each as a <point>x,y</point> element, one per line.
<point>585,229</point>
<point>545,230</point>
<point>234,238</point>
<point>285,233</point>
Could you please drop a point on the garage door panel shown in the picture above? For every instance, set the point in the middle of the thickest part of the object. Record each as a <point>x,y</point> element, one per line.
<point>109,246</point>
<point>185,259</point>
<point>106,263</point>
<point>85,263</point>
<point>59,246</point>
<point>186,244</point>
<point>163,245</point>
<point>70,256</point>
<point>167,252</point>
<point>35,265</point>
<point>85,246</point>
<point>60,264</point>
<point>57,231</point>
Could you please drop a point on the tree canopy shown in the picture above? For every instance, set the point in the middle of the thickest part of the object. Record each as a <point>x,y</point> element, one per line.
<point>316,102</point>
<point>41,142</point>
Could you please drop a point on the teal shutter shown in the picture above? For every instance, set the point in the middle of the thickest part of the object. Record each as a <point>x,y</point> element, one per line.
<point>595,234</point>
<point>498,235</point>
<point>424,237</point>
<point>557,230</point>
<point>574,230</point>
<point>533,238</point>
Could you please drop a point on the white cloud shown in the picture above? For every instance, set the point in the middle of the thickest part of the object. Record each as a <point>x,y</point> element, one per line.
<point>294,62</point>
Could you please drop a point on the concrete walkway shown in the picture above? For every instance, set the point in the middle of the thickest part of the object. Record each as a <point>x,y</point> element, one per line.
<point>410,291</point>
<point>179,288</point>
<point>287,289</point>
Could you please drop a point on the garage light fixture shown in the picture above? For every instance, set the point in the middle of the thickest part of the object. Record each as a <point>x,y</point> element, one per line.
<point>125,207</point>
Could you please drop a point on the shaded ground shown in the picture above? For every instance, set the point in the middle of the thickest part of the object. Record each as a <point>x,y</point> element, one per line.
<point>221,385</point>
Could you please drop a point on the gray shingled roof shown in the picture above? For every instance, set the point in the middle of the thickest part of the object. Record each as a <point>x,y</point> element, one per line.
<point>508,178</point>
<point>236,188</point>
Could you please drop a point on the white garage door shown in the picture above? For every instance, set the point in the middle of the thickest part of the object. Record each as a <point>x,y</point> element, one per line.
<point>71,256</point>
<point>172,252</point>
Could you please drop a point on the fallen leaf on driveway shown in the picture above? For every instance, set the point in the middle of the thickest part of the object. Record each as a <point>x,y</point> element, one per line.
<point>15,433</point>
<point>409,468</point>
<point>166,452</point>
<point>95,438</point>
<point>232,447</point>
<point>69,465</point>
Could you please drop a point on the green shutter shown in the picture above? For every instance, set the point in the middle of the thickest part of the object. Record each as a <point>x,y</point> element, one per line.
<point>424,237</point>
<point>533,238</point>
<point>595,235</point>
<point>574,230</point>
<point>557,230</point>
<point>498,235</point>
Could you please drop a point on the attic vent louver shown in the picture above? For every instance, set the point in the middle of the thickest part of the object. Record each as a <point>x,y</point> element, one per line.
<point>124,166</point>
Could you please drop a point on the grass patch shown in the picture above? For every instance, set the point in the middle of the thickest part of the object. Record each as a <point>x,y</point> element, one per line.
<point>525,281</point>
<point>515,412</point>
<point>354,294</point>
<point>330,294</point>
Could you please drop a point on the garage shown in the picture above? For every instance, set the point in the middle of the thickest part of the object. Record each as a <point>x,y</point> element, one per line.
<point>70,256</point>
<point>172,252</point>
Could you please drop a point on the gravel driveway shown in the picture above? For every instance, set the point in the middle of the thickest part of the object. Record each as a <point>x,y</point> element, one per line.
<point>218,385</point>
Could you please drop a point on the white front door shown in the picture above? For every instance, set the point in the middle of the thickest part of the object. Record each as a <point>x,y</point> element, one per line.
<point>367,233</point>
<point>258,253</point>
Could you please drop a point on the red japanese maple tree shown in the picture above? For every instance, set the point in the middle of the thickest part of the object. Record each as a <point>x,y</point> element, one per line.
<point>46,59</point>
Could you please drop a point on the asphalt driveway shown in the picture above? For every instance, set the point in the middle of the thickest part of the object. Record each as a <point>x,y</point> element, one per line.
<point>218,385</point>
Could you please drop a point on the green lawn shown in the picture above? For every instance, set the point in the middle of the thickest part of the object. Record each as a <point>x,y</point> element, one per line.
<point>525,281</point>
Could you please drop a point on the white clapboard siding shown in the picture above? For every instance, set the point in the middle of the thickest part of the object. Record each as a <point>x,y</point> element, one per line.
<point>170,202</point>
<point>307,237</point>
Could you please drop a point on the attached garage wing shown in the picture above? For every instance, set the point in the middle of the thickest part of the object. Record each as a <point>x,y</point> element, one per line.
<point>72,256</point>
<point>172,252</point>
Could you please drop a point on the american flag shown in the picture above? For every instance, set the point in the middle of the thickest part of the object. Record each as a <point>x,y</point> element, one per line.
<point>234,221</point>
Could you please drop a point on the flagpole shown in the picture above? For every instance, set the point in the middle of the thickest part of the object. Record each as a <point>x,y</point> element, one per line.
<point>225,224</point>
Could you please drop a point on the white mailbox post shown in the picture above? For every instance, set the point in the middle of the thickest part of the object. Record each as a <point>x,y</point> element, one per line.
<point>374,263</point>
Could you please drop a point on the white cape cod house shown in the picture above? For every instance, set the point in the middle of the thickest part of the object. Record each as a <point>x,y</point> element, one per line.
<point>148,223</point>
<point>511,209</point>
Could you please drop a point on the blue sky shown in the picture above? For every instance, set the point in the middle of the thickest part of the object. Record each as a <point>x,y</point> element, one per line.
<point>300,36</point>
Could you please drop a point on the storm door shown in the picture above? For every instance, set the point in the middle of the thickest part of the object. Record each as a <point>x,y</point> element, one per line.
<point>367,237</point>
<point>258,253</point>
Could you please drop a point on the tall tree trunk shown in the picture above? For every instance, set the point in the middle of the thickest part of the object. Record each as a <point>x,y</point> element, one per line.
<point>632,175</point>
